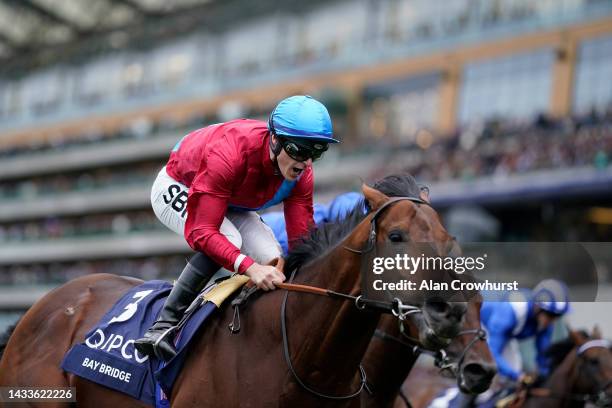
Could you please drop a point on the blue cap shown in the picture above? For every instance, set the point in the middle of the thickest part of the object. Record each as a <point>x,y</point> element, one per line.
<point>552,296</point>
<point>302,117</point>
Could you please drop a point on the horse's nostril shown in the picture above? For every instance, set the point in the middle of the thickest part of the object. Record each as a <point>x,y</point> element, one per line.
<point>476,378</point>
<point>479,372</point>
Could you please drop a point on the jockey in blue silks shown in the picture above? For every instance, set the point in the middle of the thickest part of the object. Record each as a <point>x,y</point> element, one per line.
<point>335,210</point>
<point>342,205</point>
<point>526,314</point>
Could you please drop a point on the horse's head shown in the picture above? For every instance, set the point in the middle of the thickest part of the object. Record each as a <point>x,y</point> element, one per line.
<point>473,363</point>
<point>406,218</point>
<point>467,357</point>
<point>593,367</point>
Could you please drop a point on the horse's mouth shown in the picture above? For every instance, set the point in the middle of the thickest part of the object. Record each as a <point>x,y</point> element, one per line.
<point>432,341</point>
<point>476,378</point>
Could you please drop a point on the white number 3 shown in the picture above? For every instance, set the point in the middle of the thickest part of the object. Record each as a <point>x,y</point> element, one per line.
<point>131,309</point>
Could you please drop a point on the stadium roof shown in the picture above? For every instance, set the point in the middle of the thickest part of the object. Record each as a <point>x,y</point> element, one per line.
<point>36,33</point>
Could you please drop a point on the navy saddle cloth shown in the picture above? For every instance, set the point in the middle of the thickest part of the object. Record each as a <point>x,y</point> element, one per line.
<point>108,357</point>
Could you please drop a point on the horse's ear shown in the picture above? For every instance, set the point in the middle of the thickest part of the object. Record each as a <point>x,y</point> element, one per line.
<point>424,194</point>
<point>375,198</point>
<point>577,338</point>
<point>596,334</point>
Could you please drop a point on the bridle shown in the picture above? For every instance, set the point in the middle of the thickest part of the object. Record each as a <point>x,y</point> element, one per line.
<point>441,359</point>
<point>599,398</point>
<point>395,307</point>
<point>371,243</point>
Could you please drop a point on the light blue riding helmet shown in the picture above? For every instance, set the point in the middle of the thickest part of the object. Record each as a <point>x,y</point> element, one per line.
<point>302,117</point>
<point>552,295</point>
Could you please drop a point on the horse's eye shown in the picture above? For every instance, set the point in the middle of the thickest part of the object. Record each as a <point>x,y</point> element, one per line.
<point>396,236</point>
<point>593,361</point>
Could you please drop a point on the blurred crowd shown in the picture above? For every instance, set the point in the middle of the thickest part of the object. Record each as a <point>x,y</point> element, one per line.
<point>501,148</point>
<point>140,128</point>
<point>497,148</point>
<point>74,227</point>
<point>80,182</point>
<point>159,267</point>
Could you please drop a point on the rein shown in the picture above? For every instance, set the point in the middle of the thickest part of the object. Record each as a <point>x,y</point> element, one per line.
<point>317,291</point>
<point>442,360</point>
<point>396,307</point>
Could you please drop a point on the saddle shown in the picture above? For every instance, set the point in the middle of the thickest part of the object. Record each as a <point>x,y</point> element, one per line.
<point>248,290</point>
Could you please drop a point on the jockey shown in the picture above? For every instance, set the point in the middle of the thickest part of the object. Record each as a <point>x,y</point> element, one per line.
<point>215,180</point>
<point>526,314</point>
<point>337,209</point>
<point>342,205</point>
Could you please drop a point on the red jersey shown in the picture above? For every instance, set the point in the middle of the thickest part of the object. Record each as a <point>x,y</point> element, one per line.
<point>228,165</point>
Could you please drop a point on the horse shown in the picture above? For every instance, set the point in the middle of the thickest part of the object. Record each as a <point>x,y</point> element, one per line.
<point>394,349</point>
<point>310,356</point>
<point>581,373</point>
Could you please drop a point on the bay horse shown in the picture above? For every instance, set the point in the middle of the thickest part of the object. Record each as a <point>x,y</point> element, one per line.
<point>581,373</point>
<point>309,357</point>
<point>394,349</point>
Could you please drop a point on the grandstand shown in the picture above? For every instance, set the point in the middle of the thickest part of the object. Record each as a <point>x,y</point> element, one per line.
<point>505,105</point>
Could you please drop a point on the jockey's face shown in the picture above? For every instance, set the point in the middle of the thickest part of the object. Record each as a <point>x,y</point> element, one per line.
<point>291,168</point>
<point>545,319</point>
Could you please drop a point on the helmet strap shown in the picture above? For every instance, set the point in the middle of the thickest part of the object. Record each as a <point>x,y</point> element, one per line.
<point>276,148</point>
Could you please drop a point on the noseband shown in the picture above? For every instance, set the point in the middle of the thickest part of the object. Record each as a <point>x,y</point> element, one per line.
<point>441,359</point>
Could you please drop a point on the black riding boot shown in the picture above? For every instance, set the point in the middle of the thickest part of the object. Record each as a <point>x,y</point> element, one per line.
<point>157,340</point>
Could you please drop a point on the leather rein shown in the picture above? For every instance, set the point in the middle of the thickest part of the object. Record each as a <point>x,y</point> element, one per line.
<point>395,307</point>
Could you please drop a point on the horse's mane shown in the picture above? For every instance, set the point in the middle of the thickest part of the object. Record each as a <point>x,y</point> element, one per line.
<point>557,352</point>
<point>327,235</point>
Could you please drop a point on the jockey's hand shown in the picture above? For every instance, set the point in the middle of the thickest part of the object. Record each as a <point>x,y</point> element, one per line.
<point>265,276</point>
<point>526,379</point>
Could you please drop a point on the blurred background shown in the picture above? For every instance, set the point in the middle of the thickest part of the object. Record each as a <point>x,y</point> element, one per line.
<point>503,107</point>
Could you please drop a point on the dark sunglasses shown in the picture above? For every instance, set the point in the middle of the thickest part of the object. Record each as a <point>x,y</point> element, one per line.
<point>303,151</point>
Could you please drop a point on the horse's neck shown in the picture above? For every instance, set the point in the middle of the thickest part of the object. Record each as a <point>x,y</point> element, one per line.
<point>387,363</point>
<point>560,382</point>
<point>328,337</point>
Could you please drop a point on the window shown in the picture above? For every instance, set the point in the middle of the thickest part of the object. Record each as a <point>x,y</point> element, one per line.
<point>250,48</point>
<point>98,80</point>
<point>43,91</point>
<point>173,65</point>
<point>517,86</point>
<point>10,99</point>
<point>398,110</point>
<point>330,30</point>
<point>593,89</point>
